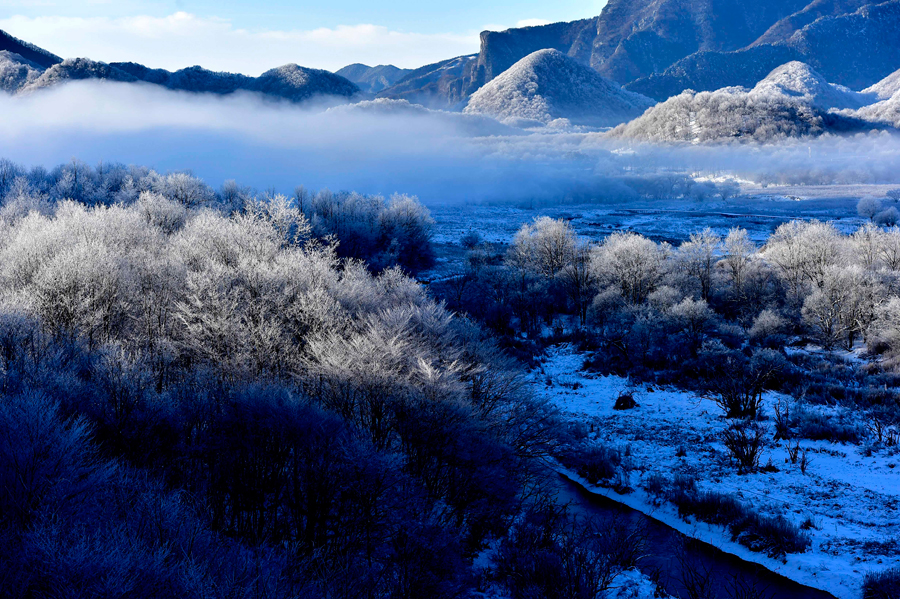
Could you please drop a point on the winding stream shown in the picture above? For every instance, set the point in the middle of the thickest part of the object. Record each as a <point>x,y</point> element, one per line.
<point>674,558</point>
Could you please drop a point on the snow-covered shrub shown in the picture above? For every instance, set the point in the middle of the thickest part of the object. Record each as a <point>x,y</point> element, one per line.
<point>383,233</point>
<point>868,207</point>
<point>888,217</point>
<point>744,442</point>
<point>471,240</point>
<point>597,464</point>
<point>773,535</point>
<point>738,382</point>
<point>882,585</point>
<point>816,426</point>
<point>769,328</point>
<point>168,215</point>
<point>630,262</point>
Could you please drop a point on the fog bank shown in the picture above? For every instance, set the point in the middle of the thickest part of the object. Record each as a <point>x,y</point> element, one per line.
<point>386,148</point>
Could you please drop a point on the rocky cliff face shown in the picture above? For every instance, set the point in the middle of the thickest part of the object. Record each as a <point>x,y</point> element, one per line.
<point>662,47</point>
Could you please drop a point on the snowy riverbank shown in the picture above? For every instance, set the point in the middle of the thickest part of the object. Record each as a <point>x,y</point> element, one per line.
<point>852,500</point>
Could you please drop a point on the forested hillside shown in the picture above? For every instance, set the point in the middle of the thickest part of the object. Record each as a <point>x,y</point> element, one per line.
<point>213,394</point>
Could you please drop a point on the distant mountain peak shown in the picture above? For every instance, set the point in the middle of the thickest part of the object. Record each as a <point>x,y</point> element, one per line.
<point>548,85</point>
<point>373,79</point>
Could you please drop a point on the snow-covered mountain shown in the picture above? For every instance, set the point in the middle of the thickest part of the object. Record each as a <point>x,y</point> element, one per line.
<point>885,112</point>
<point>660,48</point>
<point>738,114</point>
<point>30,52</point>
<point>373,79</point>
<point>439,85</point>
<point>21,74</point>
<point>548,85</point>
<point>850,42</point>
<point>886,88</point>
<point>16,71</point>
<point>798,80</point>
<point>76,69</point>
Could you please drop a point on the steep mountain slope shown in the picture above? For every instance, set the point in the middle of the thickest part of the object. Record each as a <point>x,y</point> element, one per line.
<point>16,71</point>
<point>30,52</point>
<point>706,71</point>
<point>373,79</point>
<point>855,49</point>
<point>886,111</point>
<point>502,49</point>
<point>442,85</point>
<point>629,40</point>
<point>800,81</point>
<point>636,38</point>
<point>661,47</point>
<point>885,88</point>
<point>548,85</point>
<point>785,28</point>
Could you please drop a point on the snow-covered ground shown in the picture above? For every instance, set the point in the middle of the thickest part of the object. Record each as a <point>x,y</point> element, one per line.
<point>758,209</point>
<point>852,499</point>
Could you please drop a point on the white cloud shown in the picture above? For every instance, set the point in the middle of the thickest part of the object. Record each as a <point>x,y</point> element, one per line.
<point>182,39</point>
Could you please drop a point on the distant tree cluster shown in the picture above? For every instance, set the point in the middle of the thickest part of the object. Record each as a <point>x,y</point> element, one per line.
<point>715,311</point>
<point>384,233</point>
<point>733,114</point>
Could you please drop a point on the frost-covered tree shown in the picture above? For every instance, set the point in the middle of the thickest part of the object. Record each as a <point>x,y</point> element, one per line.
<point>739,251</point>
<point>868,207</point>
<point>630,262</point>
<point>803,252</point>
<point>544,247</point>
<point>845,306</point>
<point>698,257</point>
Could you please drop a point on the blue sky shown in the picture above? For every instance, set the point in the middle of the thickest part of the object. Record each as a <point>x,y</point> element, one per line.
<point>250,37</point>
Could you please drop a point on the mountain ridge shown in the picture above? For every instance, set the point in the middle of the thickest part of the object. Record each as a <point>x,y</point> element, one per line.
<point>19,74</point>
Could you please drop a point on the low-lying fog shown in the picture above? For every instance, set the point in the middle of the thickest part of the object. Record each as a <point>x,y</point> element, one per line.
<point>392,148</point>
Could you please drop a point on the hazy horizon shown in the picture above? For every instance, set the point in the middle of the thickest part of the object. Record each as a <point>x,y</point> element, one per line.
<point>249,38</point>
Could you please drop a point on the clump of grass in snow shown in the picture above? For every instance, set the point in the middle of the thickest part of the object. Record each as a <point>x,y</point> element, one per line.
<point>882,585</point>
<point>773,535</point>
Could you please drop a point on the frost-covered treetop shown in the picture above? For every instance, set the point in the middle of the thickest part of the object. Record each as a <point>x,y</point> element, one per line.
<point>799,80</point>
<point>548,85</point>
<point>16,71</point>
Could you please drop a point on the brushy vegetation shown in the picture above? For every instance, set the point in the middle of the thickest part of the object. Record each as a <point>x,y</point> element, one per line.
<point>203,395</point>
<point>551,554</point>
<point>715,314</point>
<point>773,535</point>
<point>882,585</point>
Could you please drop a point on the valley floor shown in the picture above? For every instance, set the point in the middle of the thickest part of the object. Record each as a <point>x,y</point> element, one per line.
<point>852,499</point>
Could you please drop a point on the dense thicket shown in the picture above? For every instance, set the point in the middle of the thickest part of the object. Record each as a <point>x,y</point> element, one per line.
<point>199,397</point>
<point>715,313</point>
